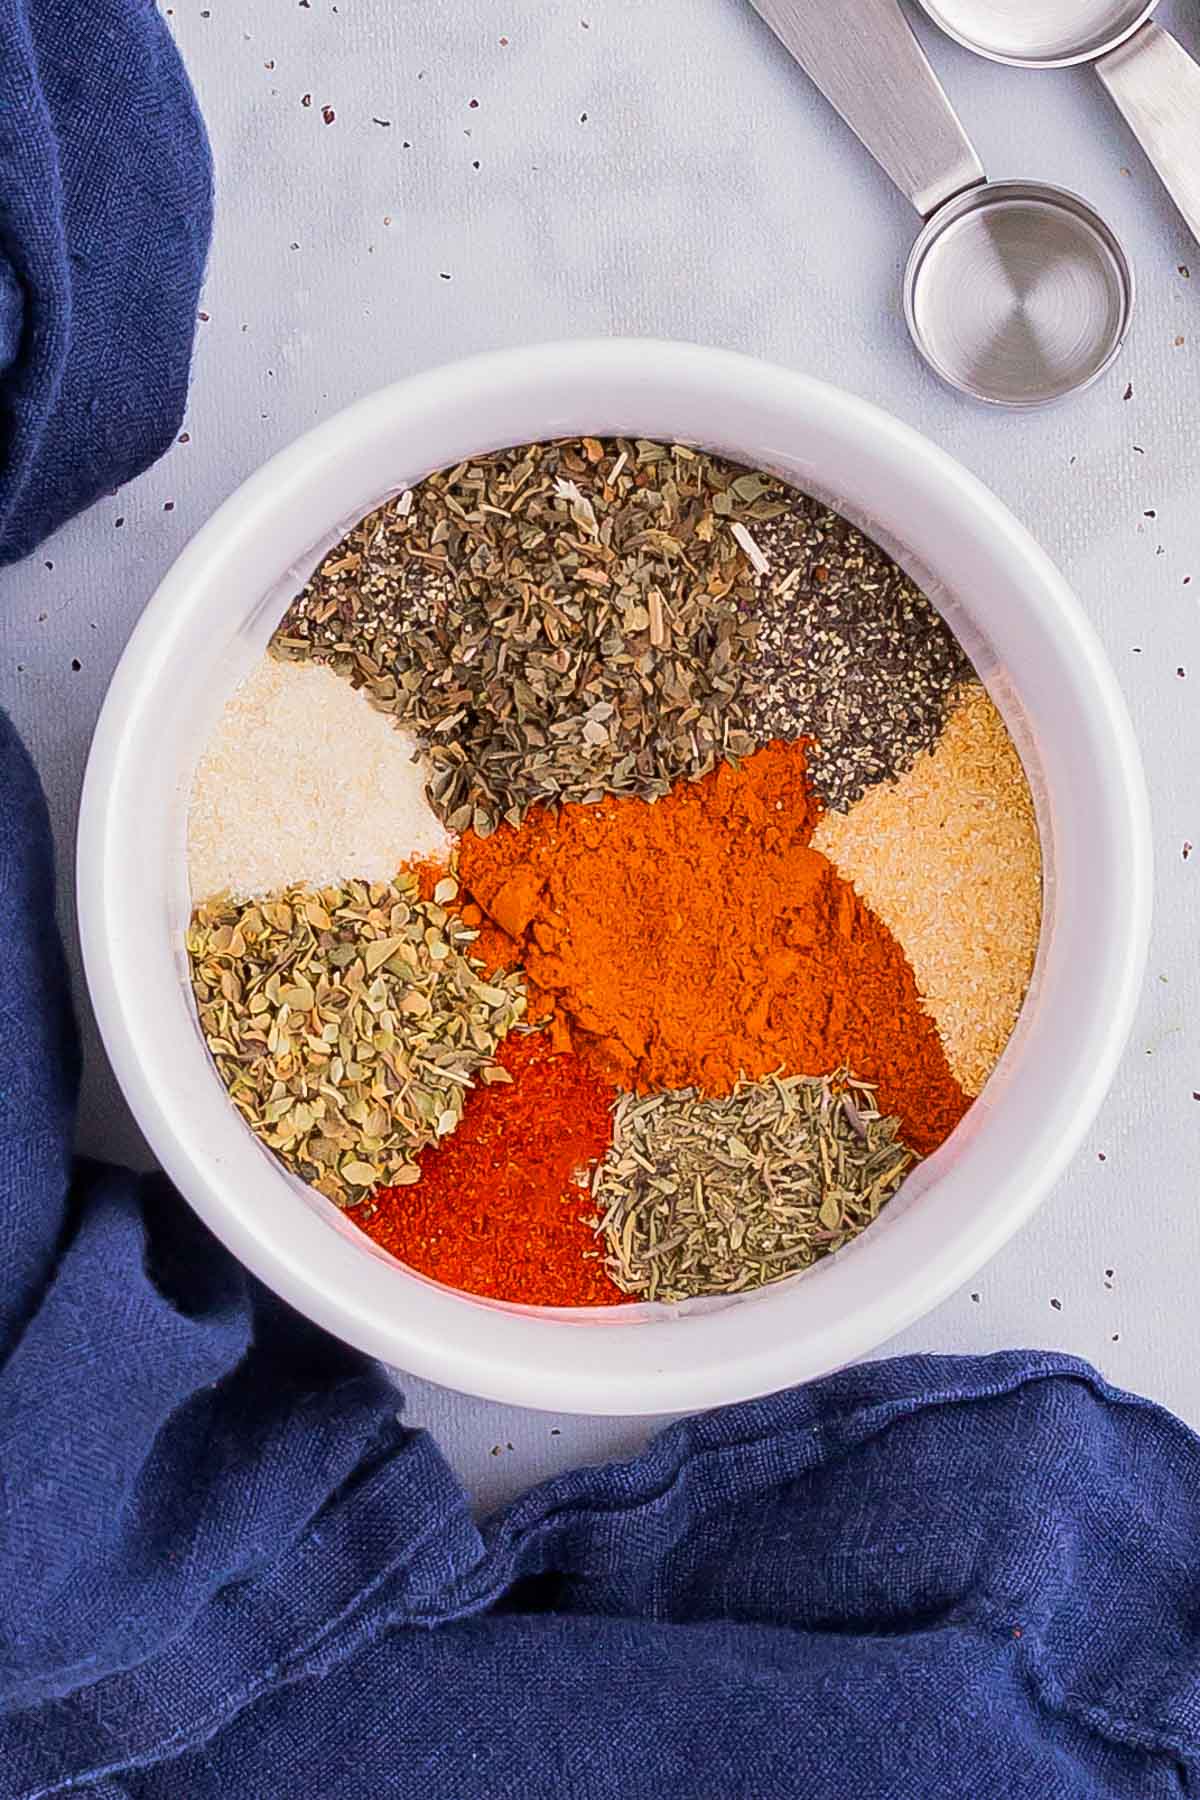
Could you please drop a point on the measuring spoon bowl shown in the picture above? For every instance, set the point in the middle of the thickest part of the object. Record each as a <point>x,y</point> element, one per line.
<point>1018,293</point>
<point>1040,34</point>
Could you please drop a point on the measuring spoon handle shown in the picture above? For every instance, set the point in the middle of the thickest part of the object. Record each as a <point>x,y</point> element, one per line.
<point>865,59</point>
<point>1156,84</point>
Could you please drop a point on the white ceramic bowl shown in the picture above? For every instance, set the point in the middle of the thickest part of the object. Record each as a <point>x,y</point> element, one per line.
<point>211,619</point>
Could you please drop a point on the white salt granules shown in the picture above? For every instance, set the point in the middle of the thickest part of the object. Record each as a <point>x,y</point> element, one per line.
<point>304,781</point>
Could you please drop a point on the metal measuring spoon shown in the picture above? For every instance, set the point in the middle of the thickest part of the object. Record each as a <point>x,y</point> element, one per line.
<point>1151,77</point>
<point>1015,293</point>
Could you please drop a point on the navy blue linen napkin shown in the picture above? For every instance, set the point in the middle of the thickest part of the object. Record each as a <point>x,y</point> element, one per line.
<point>228,1570</point>
<point>105,216</point>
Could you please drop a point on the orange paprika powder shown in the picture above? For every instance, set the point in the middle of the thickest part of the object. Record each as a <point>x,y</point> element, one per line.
<point>700,937</point>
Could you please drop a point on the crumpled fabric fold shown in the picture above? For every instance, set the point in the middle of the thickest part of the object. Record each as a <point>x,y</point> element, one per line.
<point>105,219</point>
<point>227,1568</point>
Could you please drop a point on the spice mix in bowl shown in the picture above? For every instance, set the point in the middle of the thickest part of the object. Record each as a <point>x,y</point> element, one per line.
<point>613,880</point>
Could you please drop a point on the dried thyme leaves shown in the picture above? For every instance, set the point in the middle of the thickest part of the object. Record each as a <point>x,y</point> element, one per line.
<point>556,622</point>
<point>347,1024</point>
<point>850,653</point>
<point>715,1196</point>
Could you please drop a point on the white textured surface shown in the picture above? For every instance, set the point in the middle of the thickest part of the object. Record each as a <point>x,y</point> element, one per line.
<point>657,166</point>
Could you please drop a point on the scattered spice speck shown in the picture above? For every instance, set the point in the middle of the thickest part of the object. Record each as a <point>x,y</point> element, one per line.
<point>1128,394</point>
<point>328,114</point>
<point>1057,1305</point>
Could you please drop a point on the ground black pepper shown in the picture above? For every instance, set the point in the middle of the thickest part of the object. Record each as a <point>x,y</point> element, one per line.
<point>850,654</point>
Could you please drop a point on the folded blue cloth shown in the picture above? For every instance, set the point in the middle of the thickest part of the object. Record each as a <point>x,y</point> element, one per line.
<point>227,1570</point>
<point>105,215</point>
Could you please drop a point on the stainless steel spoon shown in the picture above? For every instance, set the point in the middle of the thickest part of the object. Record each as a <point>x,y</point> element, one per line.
<point>1149,74</point>
<point>1015,293</point>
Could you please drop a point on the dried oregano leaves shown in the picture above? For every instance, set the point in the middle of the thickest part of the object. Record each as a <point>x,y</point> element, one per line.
<point>715,1196</point>
<point>348,1024</point>
<point>556,622</point>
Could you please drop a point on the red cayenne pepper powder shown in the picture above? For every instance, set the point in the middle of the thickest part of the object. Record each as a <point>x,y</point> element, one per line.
<point>496,1211</point>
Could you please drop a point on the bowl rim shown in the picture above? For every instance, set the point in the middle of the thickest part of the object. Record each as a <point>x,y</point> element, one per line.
<point>667,1365</point>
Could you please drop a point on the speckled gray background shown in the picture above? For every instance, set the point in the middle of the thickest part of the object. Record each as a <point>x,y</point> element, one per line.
<point>402,181</point>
